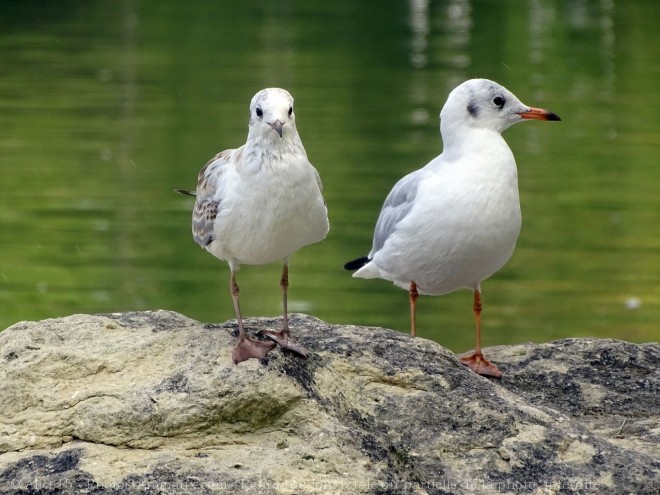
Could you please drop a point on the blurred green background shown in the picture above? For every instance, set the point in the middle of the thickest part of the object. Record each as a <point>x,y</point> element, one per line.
<point>107,106</point>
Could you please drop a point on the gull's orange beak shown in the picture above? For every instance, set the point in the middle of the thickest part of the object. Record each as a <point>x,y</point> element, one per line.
<point>539,114</point>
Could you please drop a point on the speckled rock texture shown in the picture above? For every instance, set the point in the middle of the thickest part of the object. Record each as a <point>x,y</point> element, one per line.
<point>150,402</point>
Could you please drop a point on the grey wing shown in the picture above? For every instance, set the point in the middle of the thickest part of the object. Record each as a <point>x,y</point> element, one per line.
<point>318,182</point>
<point>207,204</point>
<point>397,205</point>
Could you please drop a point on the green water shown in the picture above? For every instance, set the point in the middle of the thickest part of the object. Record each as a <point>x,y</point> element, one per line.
<point>107,106</point>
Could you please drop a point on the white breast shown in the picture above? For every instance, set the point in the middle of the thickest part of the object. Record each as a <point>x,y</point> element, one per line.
<point>267,215</point>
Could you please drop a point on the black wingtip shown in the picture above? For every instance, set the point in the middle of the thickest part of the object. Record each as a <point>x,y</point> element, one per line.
<point>185,192</point>
<point>356,264</point>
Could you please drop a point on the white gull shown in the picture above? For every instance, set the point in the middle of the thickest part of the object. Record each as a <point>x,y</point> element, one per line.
<point>260,203</point>
<point>455,222</point>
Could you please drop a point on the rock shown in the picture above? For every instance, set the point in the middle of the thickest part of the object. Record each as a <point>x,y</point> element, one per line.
<point>149,402</point>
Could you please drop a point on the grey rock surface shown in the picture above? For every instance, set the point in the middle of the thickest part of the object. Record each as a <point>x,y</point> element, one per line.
<point>149,402</point>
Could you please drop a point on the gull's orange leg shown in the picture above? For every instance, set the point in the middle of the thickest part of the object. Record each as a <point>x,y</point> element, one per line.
<point>413,294</point>
<point>476,361</point>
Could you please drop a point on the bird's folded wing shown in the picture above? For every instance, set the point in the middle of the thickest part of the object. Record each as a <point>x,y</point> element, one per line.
<point>318,181</point>
<point>207,203</point>
<point>397,205</point>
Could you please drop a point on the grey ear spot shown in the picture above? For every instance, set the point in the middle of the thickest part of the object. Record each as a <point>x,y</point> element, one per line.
<point>472,109</point>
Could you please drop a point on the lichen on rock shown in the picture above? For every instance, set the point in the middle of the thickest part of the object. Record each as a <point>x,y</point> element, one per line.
<point>150,402</point>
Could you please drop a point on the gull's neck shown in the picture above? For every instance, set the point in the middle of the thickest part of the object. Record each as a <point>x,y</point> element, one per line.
<point>463,140</point>
<point>271,149</point>
<point>458,134</point>
<point>482,150</point>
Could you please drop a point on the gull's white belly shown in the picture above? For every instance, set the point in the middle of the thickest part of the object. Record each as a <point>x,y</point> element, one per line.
<point>448,244</point>
<point>269,217</point>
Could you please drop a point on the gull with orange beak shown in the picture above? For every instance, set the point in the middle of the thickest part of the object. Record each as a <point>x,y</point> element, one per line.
<point>455,222</point>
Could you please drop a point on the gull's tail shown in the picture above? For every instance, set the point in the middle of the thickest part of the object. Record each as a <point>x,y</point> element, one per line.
<point>185,192</point>
<point>356,264</point>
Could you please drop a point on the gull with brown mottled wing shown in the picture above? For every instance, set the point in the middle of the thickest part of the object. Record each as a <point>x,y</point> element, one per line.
<point>261,203</point>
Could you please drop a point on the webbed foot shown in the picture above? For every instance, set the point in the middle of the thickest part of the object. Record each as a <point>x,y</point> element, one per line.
<point>284,339</point>
<point>480,365</point>
<point>248,348</point>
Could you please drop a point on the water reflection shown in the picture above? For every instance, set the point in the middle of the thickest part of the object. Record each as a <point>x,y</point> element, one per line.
<point>108,106</point>
<point>419,27</point>
<point>458,26</point>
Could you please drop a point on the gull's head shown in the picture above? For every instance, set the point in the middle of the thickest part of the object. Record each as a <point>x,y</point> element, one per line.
<point>481,103</point>
<point>271,114</point>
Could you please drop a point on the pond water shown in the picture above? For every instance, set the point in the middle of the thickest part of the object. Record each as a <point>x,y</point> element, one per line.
<point>107,106</point>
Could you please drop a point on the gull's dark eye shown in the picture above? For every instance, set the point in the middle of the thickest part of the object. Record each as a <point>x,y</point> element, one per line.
<point>290,111</point>
<point>260,113</point>
<point>499,101</point>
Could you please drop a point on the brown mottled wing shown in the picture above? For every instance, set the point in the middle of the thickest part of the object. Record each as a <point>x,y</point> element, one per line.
<point>207,204</point>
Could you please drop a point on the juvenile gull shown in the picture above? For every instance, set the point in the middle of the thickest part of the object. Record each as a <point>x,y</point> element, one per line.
<point>455,222</point>
<point>261,203</point>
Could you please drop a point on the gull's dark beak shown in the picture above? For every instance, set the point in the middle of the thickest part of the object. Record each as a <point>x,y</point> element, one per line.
<point>277,126</point>
<point>539,114</point>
